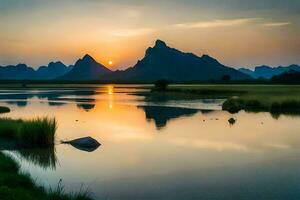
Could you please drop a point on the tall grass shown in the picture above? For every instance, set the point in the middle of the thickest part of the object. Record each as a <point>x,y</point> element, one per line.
<point>15,185</point>
<point>38,133</point>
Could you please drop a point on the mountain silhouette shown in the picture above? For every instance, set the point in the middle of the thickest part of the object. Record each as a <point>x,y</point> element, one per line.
<point>23,72</point>
<point>163,62</point>
<point>52,71</point>
<point>18,72</point>
<point>159,62</point>
<point>268,72</point>
<point>86,69</point>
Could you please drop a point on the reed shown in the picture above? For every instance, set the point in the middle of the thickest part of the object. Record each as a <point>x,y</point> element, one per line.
<point>37,133</point>
<point>15,185</point>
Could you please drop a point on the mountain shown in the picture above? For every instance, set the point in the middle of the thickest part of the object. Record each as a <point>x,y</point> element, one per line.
<point>52,71</point>
<point>163,62</point>
<point>247,71</point>
<point>268,72</point>
<point>86,69</point>
<point>18,72</point>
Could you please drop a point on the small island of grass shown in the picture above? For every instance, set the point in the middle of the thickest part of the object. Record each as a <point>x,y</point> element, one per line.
<point>276,99</point>
<point>4,109</point>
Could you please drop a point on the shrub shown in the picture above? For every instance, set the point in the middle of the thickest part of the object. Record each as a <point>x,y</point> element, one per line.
<point>233,105</point>
<point>161,85</point>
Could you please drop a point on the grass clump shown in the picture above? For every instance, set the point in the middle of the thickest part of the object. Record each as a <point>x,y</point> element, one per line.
<point>17,186</point>
<point>275,106</point>
<point>4,109</point>
<point>37,133</point>
<point>234,105</point>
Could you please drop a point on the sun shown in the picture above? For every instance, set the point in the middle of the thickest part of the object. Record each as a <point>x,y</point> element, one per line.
<point>110,62</point>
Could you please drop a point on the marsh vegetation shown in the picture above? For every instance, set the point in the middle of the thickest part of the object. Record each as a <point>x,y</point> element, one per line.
<point>277,99</point>
<point>15,185</point>
<point>22,136</point>
<point>38,132</point>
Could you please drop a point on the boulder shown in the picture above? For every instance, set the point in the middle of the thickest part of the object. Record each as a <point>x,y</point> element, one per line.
<point>85,144</point>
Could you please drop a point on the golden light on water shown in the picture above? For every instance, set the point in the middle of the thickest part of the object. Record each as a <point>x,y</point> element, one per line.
<point>110,90</point>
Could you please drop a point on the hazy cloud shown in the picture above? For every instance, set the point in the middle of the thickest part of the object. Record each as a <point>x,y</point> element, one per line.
<point>217,23</point>
<point>277,24</point>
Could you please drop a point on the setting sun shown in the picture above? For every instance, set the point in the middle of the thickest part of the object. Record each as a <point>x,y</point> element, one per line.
<point>110,62</point>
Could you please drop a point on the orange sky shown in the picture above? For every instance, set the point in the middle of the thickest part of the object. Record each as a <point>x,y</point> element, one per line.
<point>243,34</point>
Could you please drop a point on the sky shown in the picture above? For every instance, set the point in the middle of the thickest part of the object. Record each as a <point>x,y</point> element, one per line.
<point>239,33</point>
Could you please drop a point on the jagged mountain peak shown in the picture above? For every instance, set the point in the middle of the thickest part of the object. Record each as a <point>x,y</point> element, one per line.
<point>164,62</point>
<point>86,68</point>
<point>87,57</point>
<point>160,44</point>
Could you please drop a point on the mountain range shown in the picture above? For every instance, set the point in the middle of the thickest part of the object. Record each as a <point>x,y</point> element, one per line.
<point>23,72</point>
<point>163,62</point>
<point>268,72</point>
<point>159,62</point>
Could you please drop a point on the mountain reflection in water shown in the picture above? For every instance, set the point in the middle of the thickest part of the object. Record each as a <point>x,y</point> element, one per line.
<point>161,115</point>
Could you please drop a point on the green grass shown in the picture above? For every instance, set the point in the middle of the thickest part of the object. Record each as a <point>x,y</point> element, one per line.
<point>4,109</point>
<point>37,133</point>
<point>19,186</point>
<point>277,99</point>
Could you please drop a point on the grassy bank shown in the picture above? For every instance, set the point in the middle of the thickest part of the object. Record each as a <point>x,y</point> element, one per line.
<point>277,99</point>
<point>35,133</point>
<point>262,103</point>
<point>16,186</point>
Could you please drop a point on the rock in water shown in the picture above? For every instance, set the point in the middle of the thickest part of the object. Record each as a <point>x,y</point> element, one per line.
<point>232,121</point>
<point>85,144</point>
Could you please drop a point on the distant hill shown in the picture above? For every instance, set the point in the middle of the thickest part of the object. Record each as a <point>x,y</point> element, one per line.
<point>86,69</point>
<point>18,72</point>
<point>268,72</point>
<point>23,72</point>
<point>163,62</point>
<point>52,71</point>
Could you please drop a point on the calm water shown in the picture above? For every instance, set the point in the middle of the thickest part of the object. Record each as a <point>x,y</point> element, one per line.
<point>177,150</point>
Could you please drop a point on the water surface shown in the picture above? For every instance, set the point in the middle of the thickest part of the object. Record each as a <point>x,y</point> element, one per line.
<point>178,149</point>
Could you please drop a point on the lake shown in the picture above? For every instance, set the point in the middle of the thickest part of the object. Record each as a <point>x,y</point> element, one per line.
<point>162,149</point>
